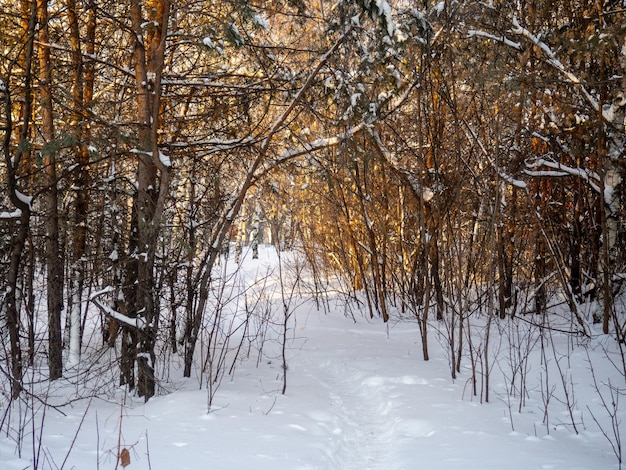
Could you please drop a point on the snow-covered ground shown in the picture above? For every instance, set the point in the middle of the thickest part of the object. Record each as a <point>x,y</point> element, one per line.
<point>359,396</point>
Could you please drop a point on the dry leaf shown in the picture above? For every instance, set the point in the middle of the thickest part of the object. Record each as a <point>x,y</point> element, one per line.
<point>125,457</point>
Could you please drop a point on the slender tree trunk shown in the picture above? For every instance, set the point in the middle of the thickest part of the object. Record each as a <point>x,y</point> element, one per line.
<point>17,198</point>
<point>54,261</point>
<point>375,257</point>
<point>503,284</point>
<point>425,307</point>
<point>609,176</point>
<point>575,242</point>
<point>82,93</point>
<point>540,274</point>
<point>191,328</point>
<point>13,324</point>
<point>30,295</point>
<point>436,277</point>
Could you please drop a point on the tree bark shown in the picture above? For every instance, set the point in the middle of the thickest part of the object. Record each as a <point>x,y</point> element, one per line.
<point>54,261</point>
<point>17,198</point>
<point>82,92</point>
<point>152,178</point>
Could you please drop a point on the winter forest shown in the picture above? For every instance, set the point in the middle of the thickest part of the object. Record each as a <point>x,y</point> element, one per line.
<point>184,182</point>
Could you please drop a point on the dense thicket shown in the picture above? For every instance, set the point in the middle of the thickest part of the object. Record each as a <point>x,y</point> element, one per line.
<point>440,158</point>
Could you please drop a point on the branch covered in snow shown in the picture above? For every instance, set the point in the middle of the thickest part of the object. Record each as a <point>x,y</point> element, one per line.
<point>317,144</point>
<point>557,64</point>
<point>591,177</point>
<point>425,193</point>
<point>503,39</point>
<point>472,136</point>
<point>137,322</point>
<point>215,145</point>
<point>16,214</point>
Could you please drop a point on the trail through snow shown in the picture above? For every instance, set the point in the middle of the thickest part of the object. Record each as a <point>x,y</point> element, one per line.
<point>364,415</point>
<point>364,395</point>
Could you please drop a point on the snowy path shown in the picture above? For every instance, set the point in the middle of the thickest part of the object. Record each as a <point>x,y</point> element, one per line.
<point>364,415</point>
<point>362,386</point>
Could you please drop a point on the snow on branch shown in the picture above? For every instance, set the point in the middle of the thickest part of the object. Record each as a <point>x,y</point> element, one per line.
<point>278,123</point>
<point>512,181</point>
<point>16,214</point>
<point>140,152</point>
<point>557,64</point>
<point>590,177</point>
<point>395,102</point>
<point>318,144</point>
<point>24,198</point>
<point>503,39</point>
<point>138,322</point>
<point>425,193</point>
<point>165,160</point>
<point>215,145</point>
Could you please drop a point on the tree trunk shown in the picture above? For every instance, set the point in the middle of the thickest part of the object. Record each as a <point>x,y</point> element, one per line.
<point>152,180</point>
<point>17,198</point>
<point>82,93</point>
<point>54,260</point>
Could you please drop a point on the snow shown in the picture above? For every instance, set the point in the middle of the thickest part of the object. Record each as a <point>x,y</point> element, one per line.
<point>16,214</point>
<point>236,35</point>
<point>317,144</point>
<point>515,45</point>
<point>74,343</point>
<point>137,322</point>
<point>358,396</point>
<point>557,64</point>
<point>589,176</point>
<point>385,11</point>
<point>427,194</point>
<point>260,21</point>
<point>513,181</point>
<point>28,200</point>
<point>165,160</point>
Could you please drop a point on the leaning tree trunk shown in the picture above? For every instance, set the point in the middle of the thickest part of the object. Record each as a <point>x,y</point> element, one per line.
<point>225,224</point>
